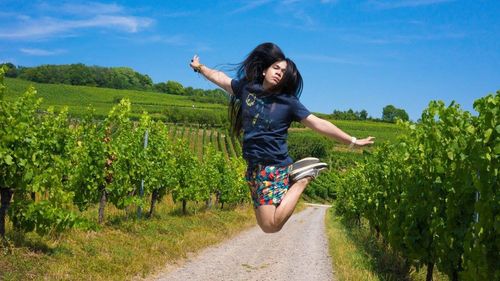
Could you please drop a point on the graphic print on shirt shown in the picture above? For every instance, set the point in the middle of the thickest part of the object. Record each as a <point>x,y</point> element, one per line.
<point>256,112</point>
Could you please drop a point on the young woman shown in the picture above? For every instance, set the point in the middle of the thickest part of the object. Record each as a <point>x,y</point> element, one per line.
<point>264,102</point>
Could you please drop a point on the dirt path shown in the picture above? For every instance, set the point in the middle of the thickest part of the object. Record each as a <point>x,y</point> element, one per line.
<point>298,252</point>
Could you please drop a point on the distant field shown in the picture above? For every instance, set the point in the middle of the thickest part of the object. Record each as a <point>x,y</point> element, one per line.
<point>381,131</point>
<point>158,105</point>
<point>361,129</point>
<point>78,98</point>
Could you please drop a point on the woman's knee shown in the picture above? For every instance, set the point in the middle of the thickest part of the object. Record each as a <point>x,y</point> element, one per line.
<point>270,227</point>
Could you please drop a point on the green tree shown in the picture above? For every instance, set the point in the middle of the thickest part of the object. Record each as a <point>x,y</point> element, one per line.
<point>11,70</point>
<point>161,87</point>
<point>80,74</point>
<point>175,88</point>
<point>363,114</point>
<point>401,114</point>
<point>390,113</point>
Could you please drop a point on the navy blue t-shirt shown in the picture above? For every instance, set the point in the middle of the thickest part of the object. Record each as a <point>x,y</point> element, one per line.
<point>266,119</point>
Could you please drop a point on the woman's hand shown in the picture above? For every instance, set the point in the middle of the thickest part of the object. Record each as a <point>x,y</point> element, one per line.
<point>195,63</point>
<point>364,142</point>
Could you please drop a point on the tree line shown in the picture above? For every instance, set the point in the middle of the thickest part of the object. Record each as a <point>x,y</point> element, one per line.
<point>390,113</point>
<point>109,77</point>
<point>127,78</point>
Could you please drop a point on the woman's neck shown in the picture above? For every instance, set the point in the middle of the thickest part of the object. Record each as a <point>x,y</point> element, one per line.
<point>268,88</point>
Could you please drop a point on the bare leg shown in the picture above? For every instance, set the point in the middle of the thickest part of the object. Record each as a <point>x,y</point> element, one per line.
<point>271,218</point>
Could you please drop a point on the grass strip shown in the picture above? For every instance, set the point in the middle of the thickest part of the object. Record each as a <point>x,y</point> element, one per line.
<point>358,255</point>
<point>349,262</point>
<point>123,248</point>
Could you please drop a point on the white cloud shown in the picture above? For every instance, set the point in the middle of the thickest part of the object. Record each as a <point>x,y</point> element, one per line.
<point>41,52</point>
<point>88,8</point>
<point>298,15</point>
<point>51,27</point>
<point>68,19</point>
<point>402,39</point>
<point>305,19</point>
<point>176,40</point>
<point>381,4</point>
<point>127,23</point>
<point>179,14</point>
<point>328,59</point>
<point>250,5</point>
<point>289,2</point>
<point>92,8</point>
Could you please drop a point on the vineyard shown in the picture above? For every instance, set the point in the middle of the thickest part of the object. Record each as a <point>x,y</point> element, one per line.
<point>432,196</point>
<point>169,108</point>
<point>53,167</point>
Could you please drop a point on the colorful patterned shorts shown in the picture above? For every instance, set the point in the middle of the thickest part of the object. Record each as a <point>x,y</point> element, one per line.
<point>268,184</point>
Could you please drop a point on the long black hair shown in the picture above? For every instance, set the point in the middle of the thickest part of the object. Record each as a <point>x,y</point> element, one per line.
<point>250,71</point>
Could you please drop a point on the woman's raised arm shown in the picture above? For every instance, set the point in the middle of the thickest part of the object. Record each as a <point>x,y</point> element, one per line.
<point>217,77</point>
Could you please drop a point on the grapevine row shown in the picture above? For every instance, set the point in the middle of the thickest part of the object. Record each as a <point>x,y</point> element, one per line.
<point>433,195</point>
<point>49,165</point>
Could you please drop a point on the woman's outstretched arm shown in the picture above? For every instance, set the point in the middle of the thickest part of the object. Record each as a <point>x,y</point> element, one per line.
<point>328,129</point>
<point>217,77</point>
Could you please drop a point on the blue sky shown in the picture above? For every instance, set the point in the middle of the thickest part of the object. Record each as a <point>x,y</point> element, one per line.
<point>352,54</point>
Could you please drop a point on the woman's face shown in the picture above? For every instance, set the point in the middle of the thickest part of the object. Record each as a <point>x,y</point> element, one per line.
<point>274,74</point>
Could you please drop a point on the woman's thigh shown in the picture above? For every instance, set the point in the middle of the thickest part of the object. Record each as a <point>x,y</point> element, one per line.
<point>265,215</point>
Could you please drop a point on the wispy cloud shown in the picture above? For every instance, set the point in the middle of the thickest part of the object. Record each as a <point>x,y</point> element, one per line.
<point>306,20</point>
<point>329,59</point>
<point>41,52</point>
<point>401,39</point>
<point>69,19</point>
<point>250,5</point>
<point>180,14</point>
<point>393,4</point>
<point>289,2</point>
<point>175,40</point>
<point>51,27</point>
<point>127,23</point>
<point>296,15</point>
<point>89,8</point>
<point>292,13</point>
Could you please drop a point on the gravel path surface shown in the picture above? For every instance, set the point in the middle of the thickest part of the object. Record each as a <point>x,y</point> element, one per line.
<point>298,252</point>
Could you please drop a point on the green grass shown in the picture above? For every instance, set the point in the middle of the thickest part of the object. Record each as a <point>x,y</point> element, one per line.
<point>361,129</point>
<point>340,156</point>
<point>358,255</point>
<point>78,98</point>
<point>123,247</point>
